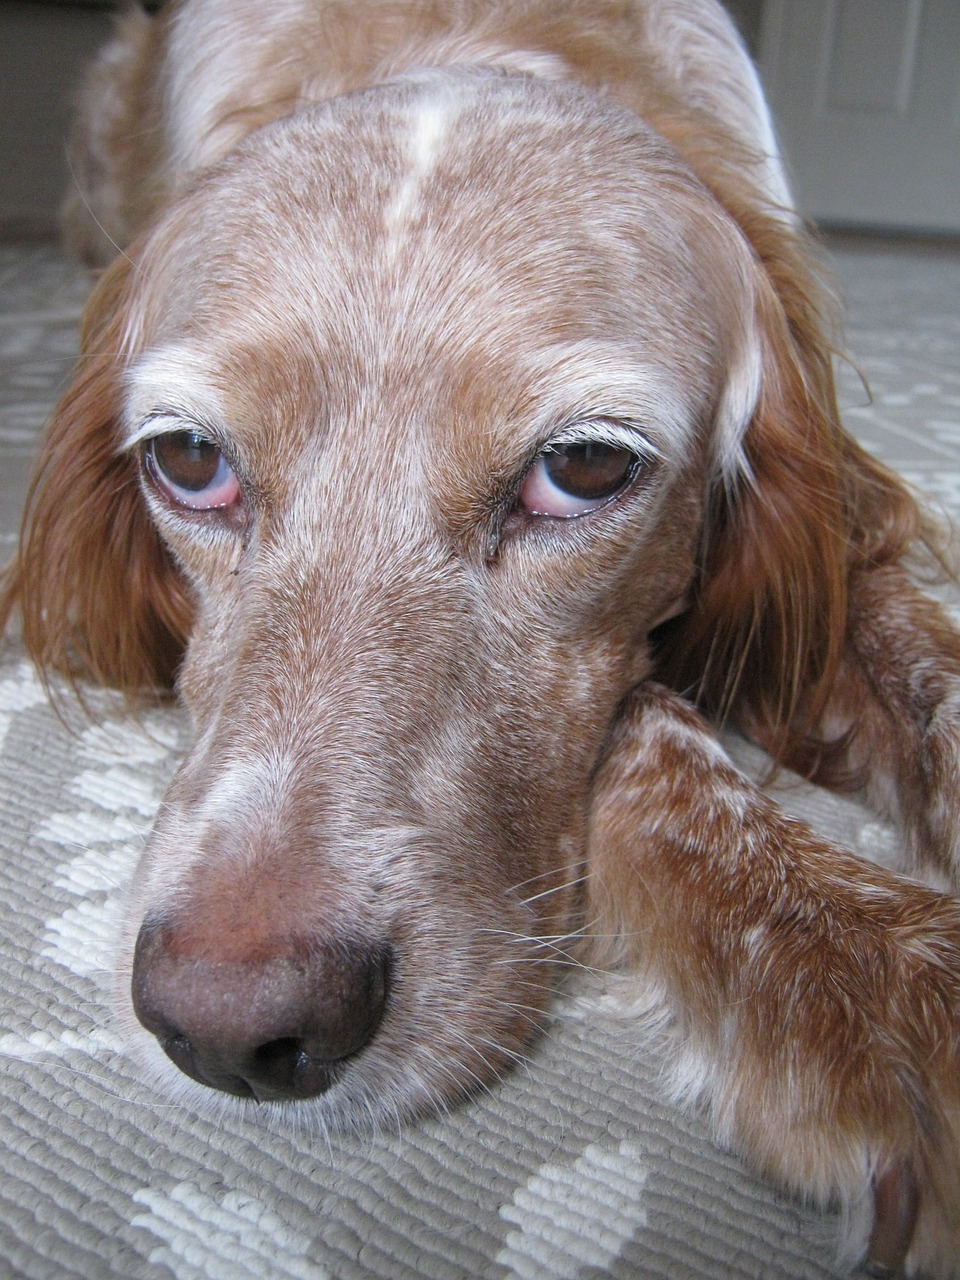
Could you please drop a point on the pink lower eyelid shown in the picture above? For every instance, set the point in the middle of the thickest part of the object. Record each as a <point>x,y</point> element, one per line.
<point>206,502</point>
<point>542,498</point>
<point>223,494</point>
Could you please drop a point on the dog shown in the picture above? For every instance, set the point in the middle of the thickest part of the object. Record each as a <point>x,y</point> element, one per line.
<point>455,429</point>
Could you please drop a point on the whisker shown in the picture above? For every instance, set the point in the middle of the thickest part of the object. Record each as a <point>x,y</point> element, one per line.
<point>89,208</point>
<point>541,875</point>
<point>557,888</point>
<point>514,1057</point>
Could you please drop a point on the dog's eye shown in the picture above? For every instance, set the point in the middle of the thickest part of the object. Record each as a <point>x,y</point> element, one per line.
<point>192,470</point>
<point>568,480</point>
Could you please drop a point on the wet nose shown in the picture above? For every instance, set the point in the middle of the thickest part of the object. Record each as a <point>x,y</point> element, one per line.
<point>273,1025</point>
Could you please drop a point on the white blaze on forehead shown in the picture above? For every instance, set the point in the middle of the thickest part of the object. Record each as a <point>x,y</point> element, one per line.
<point>429,126</point>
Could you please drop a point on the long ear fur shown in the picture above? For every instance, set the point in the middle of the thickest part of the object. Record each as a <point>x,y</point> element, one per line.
<point>96,589</point>
<point>768,626</point>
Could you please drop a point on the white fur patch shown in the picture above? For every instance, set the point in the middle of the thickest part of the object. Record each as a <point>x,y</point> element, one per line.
<point>170,382</point>
<point>216,52</point>
<point>249,788</point>
<point>586,383</point>
<point>429,128</point>
<point>737,406</point>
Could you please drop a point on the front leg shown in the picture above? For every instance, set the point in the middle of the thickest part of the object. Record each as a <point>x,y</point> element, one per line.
<point>897,698</point>
<point>893,718</point>
<point>818,995</point>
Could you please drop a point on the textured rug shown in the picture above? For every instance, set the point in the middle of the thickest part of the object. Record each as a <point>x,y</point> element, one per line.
<point>571,1167</point>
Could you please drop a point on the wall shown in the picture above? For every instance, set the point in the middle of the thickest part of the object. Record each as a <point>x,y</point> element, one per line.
<point>42,49</point>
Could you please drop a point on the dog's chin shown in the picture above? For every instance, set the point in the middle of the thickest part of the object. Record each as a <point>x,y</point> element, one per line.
<point>377,1092</point>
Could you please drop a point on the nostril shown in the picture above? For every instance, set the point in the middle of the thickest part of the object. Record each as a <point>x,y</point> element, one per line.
<point>284,1067</point>
<point>278,1057</point>
<point>177,1048</point>
<point>278,1026</point>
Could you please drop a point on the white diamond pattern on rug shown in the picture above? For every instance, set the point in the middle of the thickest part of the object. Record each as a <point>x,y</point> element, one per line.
<point>570,1216</point>
<point>116,804</point>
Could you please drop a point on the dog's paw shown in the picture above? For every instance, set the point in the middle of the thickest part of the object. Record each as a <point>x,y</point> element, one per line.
<point>866,1073</point>
<point>917,1191</point>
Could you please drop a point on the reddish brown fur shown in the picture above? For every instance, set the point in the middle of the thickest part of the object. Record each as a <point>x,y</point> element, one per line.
<point>797,962</point>
<point>114,608</point>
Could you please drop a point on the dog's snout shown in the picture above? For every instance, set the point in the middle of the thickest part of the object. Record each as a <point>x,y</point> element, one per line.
<point>276,1024</point>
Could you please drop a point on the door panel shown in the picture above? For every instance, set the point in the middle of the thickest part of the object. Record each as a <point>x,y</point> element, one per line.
<point>866,96</point>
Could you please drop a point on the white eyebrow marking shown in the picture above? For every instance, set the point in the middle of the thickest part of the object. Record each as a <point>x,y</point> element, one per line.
<point>429,127</point>
<point>599,428</point>
<point>603,392</point>
<point>168,385</point>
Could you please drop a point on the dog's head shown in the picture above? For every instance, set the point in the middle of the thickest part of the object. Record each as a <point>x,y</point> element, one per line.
<point>416,418</point>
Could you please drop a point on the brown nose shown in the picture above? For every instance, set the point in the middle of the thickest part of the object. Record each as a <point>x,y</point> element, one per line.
<point>272,1027</point>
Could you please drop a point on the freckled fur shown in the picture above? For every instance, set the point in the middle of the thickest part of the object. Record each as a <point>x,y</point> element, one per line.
<point>384,252</point>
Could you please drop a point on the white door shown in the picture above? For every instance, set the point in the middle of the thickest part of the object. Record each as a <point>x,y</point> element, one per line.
<point>866,97</point>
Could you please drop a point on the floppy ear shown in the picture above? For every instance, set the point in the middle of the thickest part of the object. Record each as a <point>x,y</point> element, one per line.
<point>808,506</point>
<point>98,593</point>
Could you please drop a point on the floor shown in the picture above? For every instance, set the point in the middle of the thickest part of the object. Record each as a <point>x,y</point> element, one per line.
<point>902,304</point>
<point>41,301</point>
